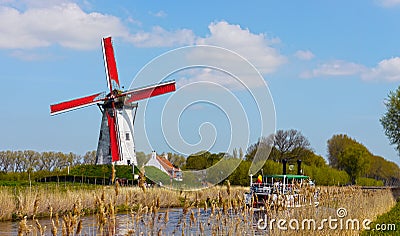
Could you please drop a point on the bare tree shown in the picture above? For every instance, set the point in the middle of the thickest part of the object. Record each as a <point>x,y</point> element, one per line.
<point>89,157</point>
<point>261,149</point>
<point>6,161</point>
<point>176,159</point>
<point>19,161</point>
<point>31,159</point>
<point>235,153</point>
<point>48,161</point>
<point>290,144</point>
<point>241,155</point>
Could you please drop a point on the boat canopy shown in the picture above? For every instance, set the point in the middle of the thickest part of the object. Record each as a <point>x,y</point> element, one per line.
<point>287,176</point>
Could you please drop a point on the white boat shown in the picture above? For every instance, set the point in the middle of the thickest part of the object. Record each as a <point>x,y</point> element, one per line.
<point>281,191</point>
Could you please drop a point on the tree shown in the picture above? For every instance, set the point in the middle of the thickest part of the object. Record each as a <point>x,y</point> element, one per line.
<point>176,159</point>
<point>289,144</point>
<point>235,153</point>
<point>241,155</point>
<point>19,161</point>
<point>381,169</point>
<point>312,159</point>
<point>70,159</point>
<point>6,161</point>
<point>49,160</point>
<point>32,159</point>
<point>341,148</point>
<point>391,119</point>
<point>240,175</point>
<point>260,149</point>
<point>197,161</point>
<point>354,161</point>
<point>336,145</point>
<point>89,157</point>
<point>202,160</point>
<point>142,158</point>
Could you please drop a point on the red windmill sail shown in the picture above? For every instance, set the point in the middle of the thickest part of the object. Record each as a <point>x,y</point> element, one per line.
<point>149,91</point>
<point>77,103</point>
<point>110,64</point>
<point>114,140</point>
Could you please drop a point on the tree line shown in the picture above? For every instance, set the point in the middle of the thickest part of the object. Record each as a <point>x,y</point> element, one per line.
<point>345,153</point>
<point>348,160</point>
<point>32,161</point>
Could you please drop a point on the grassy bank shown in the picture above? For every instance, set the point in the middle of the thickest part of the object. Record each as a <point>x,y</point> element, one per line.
<point>386,224</point>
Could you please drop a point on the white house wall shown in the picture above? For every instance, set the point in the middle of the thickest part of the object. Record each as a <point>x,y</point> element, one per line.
<point>154,162</point>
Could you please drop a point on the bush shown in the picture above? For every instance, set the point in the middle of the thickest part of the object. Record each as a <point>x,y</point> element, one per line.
<point>326,175</point>
<point>103,171</point>
<point>368,182</point>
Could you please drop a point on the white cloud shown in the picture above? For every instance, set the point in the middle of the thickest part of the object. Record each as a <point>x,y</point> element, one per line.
<point>388,3</point>
<point>65,24</point>
<point>60,22</point>
<point>214,77</point>
<point>26,4</point>
<point>388,69</point>
<point>257,48</point>
<point>231,41</point>
<point>25,55</point>
<point>159,37</point>
<point>45,23</point>
<point>304,55</point>
<point>48,22</point>
<point>160,14</point>
<point>134,21</point>
<point>335,68</point>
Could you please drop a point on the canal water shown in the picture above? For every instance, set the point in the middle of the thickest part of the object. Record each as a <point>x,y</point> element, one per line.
<point>176,221</point>
<point>89,224</point>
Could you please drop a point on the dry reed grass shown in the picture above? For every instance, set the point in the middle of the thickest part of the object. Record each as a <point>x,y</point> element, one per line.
<point>45,200</point>
<point>214,211</point>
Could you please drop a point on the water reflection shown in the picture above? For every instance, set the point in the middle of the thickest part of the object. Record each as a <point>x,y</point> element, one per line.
<point>146,224</point>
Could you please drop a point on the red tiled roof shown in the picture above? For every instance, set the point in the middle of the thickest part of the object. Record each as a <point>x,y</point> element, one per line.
<point>167,164</point>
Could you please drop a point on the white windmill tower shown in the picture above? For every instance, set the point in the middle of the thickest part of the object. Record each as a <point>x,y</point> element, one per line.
<point>116,139</point>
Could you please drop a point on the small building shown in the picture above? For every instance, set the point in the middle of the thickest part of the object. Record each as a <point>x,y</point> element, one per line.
<point>165,165</point>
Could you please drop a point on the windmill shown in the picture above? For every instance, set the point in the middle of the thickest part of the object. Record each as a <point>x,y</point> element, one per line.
<point>118,108</point>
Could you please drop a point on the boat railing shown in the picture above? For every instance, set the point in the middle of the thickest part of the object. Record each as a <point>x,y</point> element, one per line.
<point>273,188</point>
<point>262,187</point>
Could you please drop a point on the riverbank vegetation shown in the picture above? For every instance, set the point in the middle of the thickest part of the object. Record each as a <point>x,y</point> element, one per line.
<point>386,224</point>
<point>219,210</point>
<point>350,162</point>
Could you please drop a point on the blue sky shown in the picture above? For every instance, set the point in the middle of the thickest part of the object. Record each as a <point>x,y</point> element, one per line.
<point>329,65</point>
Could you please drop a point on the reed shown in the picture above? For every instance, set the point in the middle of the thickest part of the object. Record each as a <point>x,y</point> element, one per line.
<point>220,210</point>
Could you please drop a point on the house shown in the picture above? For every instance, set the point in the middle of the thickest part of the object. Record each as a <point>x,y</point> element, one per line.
<point>165,165</point>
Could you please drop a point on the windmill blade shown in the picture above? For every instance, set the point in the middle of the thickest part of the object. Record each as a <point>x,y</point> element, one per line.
<point>110,64</point>
<point>148,91</point>
<point>77,103</point>
<point>114,141</point>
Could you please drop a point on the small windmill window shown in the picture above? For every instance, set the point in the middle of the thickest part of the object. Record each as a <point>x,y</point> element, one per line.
<point>127,136</point>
